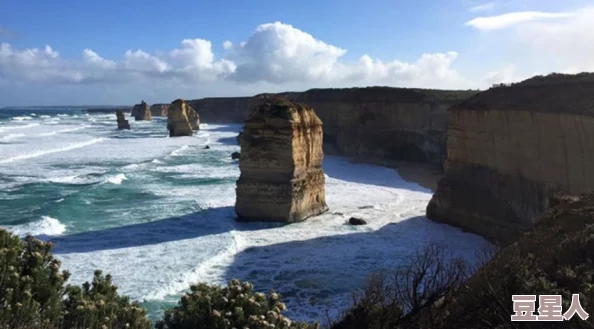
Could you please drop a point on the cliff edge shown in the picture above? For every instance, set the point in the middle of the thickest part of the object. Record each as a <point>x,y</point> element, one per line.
<point>510,149</point>
<point>281,163</point>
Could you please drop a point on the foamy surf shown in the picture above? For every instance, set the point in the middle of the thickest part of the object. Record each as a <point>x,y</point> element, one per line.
<point>46,225</point>
<point>116,179</point>
<point>52,133</point>
<point>30,125</point>
<point>46,152</point>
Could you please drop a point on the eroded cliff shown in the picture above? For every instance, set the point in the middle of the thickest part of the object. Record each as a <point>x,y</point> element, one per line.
<point>281,163</point>
<point>177,119</point>
<point>368,123</point>
<point>193,117</point>
<point>510,149</point>
<point>159,110</point>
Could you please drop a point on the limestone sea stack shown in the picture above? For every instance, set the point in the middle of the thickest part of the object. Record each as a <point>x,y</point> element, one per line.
<point>159,110</point>
<point>141,112</point>
<point>193,117</point>
<point>122,122</point>
<point>177,119</point>
<point>281,163</point>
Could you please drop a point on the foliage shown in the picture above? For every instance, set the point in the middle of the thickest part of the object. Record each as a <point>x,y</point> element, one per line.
<point>391,299</point>
<point>233,306</point>
<point>33,293</point>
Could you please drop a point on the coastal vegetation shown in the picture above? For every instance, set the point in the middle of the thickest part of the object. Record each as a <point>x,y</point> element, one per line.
<point>431,290</point>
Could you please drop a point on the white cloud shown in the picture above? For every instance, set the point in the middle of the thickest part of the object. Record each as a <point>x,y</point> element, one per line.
<point>483,7</point>
<point>507,20</point>
<point>276,56</point>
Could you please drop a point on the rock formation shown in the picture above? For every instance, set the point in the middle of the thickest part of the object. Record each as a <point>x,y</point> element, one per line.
<point>510,149</point>
<point>281,163</point>
<point>141,112</point>
<point>374,123</point>
<point>177,119</point>
<point>159,110</point>
<point>235,155</point>
<point>193,117</point>
<point>122,122</point>
<point>357,221</point>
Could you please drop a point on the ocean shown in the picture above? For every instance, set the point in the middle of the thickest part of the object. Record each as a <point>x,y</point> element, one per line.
<point>157,212</point>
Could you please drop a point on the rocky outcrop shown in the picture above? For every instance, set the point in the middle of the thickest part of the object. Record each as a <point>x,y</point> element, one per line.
<point>141,112</point>
<point>122,122</point>
<point>193,117</point>
<point>367,123</point>
<point>281,163</point>
<point>159,110</point>
<point>177,119</point>
<point>511,149</point>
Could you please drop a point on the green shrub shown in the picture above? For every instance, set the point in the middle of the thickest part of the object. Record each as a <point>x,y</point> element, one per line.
<point>234,306</point>
<point>33,294</point>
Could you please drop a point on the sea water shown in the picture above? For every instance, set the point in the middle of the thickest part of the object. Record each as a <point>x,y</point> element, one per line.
<point>157,212</point>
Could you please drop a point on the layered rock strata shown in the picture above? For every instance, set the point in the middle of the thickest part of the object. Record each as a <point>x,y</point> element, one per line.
<point>159,110</point>
<point>177,119</point>
<point>122,122</point>
<point>281,163</point>
<point>374,123</point>
<point>141,112</point>
<point>511,149</point>
<point>193,117</point>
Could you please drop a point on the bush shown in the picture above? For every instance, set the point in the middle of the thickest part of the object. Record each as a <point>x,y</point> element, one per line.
<point>33,294</point>
<point>424,283</point>
<point>234,306</point>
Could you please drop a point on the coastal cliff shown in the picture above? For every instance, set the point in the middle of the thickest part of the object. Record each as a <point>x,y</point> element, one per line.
<point>511,149</point>
<point>159,110</point>
<point>281,163</point>
<point>221,109</point>
<point>369,123</point>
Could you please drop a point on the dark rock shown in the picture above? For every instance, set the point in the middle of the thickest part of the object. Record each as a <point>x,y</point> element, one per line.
<point>357,221</point>
<point>207,147</point>
<point>235,155</point>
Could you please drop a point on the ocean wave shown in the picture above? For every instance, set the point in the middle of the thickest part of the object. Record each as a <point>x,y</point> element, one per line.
<point>116,179</point>
<point>45,116</point>
<point>22,118</point>
<point>46,225</point>
<point>46,152</point>
<point>63,131</point>
<point>19,127</point>
<point>11,137</point>
<point>179,150</point>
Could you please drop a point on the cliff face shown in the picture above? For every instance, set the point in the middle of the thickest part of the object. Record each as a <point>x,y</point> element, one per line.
<point>159,110</point>
<point>375,122</point>
<point>122,122</point>
<point>177,119</point>
<point>281,163</point>
<point>193,117</point>
<point>510,149</point>
<point>221,109</point>
<point>141,112</point>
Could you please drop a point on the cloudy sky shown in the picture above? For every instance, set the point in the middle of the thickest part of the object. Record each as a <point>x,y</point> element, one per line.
<point>118,52</point>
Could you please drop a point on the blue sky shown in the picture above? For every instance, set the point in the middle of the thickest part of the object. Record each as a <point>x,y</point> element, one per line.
<point>287,45</point>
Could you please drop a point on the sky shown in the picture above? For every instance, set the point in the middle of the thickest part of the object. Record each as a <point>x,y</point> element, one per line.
<point>74,52</point>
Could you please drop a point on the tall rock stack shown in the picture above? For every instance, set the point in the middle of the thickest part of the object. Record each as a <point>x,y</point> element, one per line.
<point>177,119</point>
<point>141,112</point>
<point>281,163</point>
<point>193,117</point>
<point>122,122</point>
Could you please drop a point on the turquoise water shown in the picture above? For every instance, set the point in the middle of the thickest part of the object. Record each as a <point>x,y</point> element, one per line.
<point>157,212</point>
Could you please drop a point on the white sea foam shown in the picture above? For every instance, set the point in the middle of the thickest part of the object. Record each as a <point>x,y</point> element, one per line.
<point>18,127</point>
<point>116,179</point>
<point>56,150</point>
<point>22,118</point>
<point>179,151</point>
<point>63,131</point>
<point>11,137</point>
<point>44,226</point>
